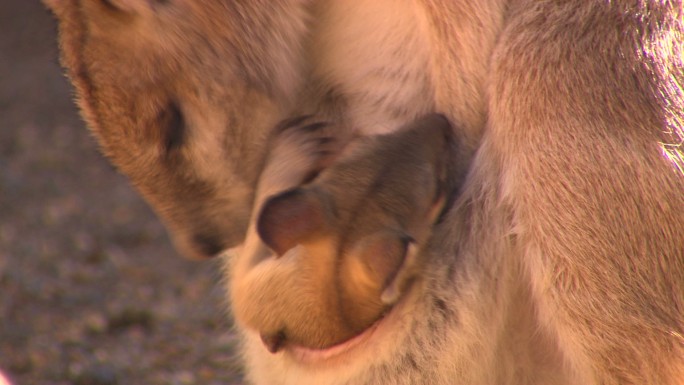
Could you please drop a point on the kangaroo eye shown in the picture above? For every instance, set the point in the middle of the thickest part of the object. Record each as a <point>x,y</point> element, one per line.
<point>133,6</point>
<point>115,5</point>
<point>173,127</point>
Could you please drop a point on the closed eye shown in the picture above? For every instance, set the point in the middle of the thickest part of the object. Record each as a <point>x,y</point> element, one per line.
<point>173,128</point>
<point>113,5</point>
<point>117,5</point>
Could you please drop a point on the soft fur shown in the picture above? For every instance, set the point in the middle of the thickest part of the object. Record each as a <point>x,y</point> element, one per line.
<point>331,256</point>
<point>562,262</point>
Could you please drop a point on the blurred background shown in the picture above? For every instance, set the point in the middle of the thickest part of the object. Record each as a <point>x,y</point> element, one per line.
<point>91,291</point>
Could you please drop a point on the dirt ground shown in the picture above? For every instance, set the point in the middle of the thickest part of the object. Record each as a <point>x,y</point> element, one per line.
<point>91,291</point>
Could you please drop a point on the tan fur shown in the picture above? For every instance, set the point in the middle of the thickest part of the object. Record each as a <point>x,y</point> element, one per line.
<point>345,244</point>
<point>562,261</point>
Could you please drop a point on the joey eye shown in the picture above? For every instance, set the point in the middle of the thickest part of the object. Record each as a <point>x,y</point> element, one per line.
<point>173,128</point>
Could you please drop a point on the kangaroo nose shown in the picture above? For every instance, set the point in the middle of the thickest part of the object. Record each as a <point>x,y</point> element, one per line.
<point>208,244</point>
<point>273,342</point>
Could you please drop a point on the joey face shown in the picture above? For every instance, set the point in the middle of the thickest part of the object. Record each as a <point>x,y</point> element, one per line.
<point>325,260</point>
<point>181,94</point>
<point>316,289</point>
<point>178,102</point>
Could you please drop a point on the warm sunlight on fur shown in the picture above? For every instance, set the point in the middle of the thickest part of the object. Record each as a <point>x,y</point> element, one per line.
<point>558,261</point>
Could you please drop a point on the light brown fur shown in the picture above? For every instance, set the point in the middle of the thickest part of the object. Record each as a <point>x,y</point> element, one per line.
<point>562,261</point>
<point>345,246</point>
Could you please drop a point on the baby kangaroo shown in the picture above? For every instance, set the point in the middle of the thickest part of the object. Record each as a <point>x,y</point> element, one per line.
<point>324,260</point>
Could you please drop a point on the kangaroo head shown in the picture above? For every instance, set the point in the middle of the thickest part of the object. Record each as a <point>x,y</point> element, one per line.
<point>175,95</point>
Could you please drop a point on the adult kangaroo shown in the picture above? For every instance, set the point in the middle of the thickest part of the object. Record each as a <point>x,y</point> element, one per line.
<point>560,259</point>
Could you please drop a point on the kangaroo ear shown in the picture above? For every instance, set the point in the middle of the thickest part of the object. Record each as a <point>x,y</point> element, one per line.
<point>291,217</point>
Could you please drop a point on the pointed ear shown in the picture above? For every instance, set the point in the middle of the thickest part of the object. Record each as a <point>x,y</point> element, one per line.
<point>383,255</point>
<point>405,274</point>
<point>291,217</point>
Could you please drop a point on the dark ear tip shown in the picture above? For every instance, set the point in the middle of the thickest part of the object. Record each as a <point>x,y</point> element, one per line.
<point>443,124</point>
<point>435,125</point>
<point>438,119</point>
<point>406,240</point>
<point>435,120</point>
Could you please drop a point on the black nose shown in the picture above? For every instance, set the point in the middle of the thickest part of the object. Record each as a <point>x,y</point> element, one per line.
<point>273,342</point>
<point>208,245</point>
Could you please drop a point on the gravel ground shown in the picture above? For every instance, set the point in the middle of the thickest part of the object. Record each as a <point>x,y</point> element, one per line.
<point>91,291</point>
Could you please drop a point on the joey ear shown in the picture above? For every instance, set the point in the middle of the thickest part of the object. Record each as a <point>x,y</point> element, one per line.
<point>383,254</point>
<point>290,217</point>
<point>405,273</point>
<point>437,208</point>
